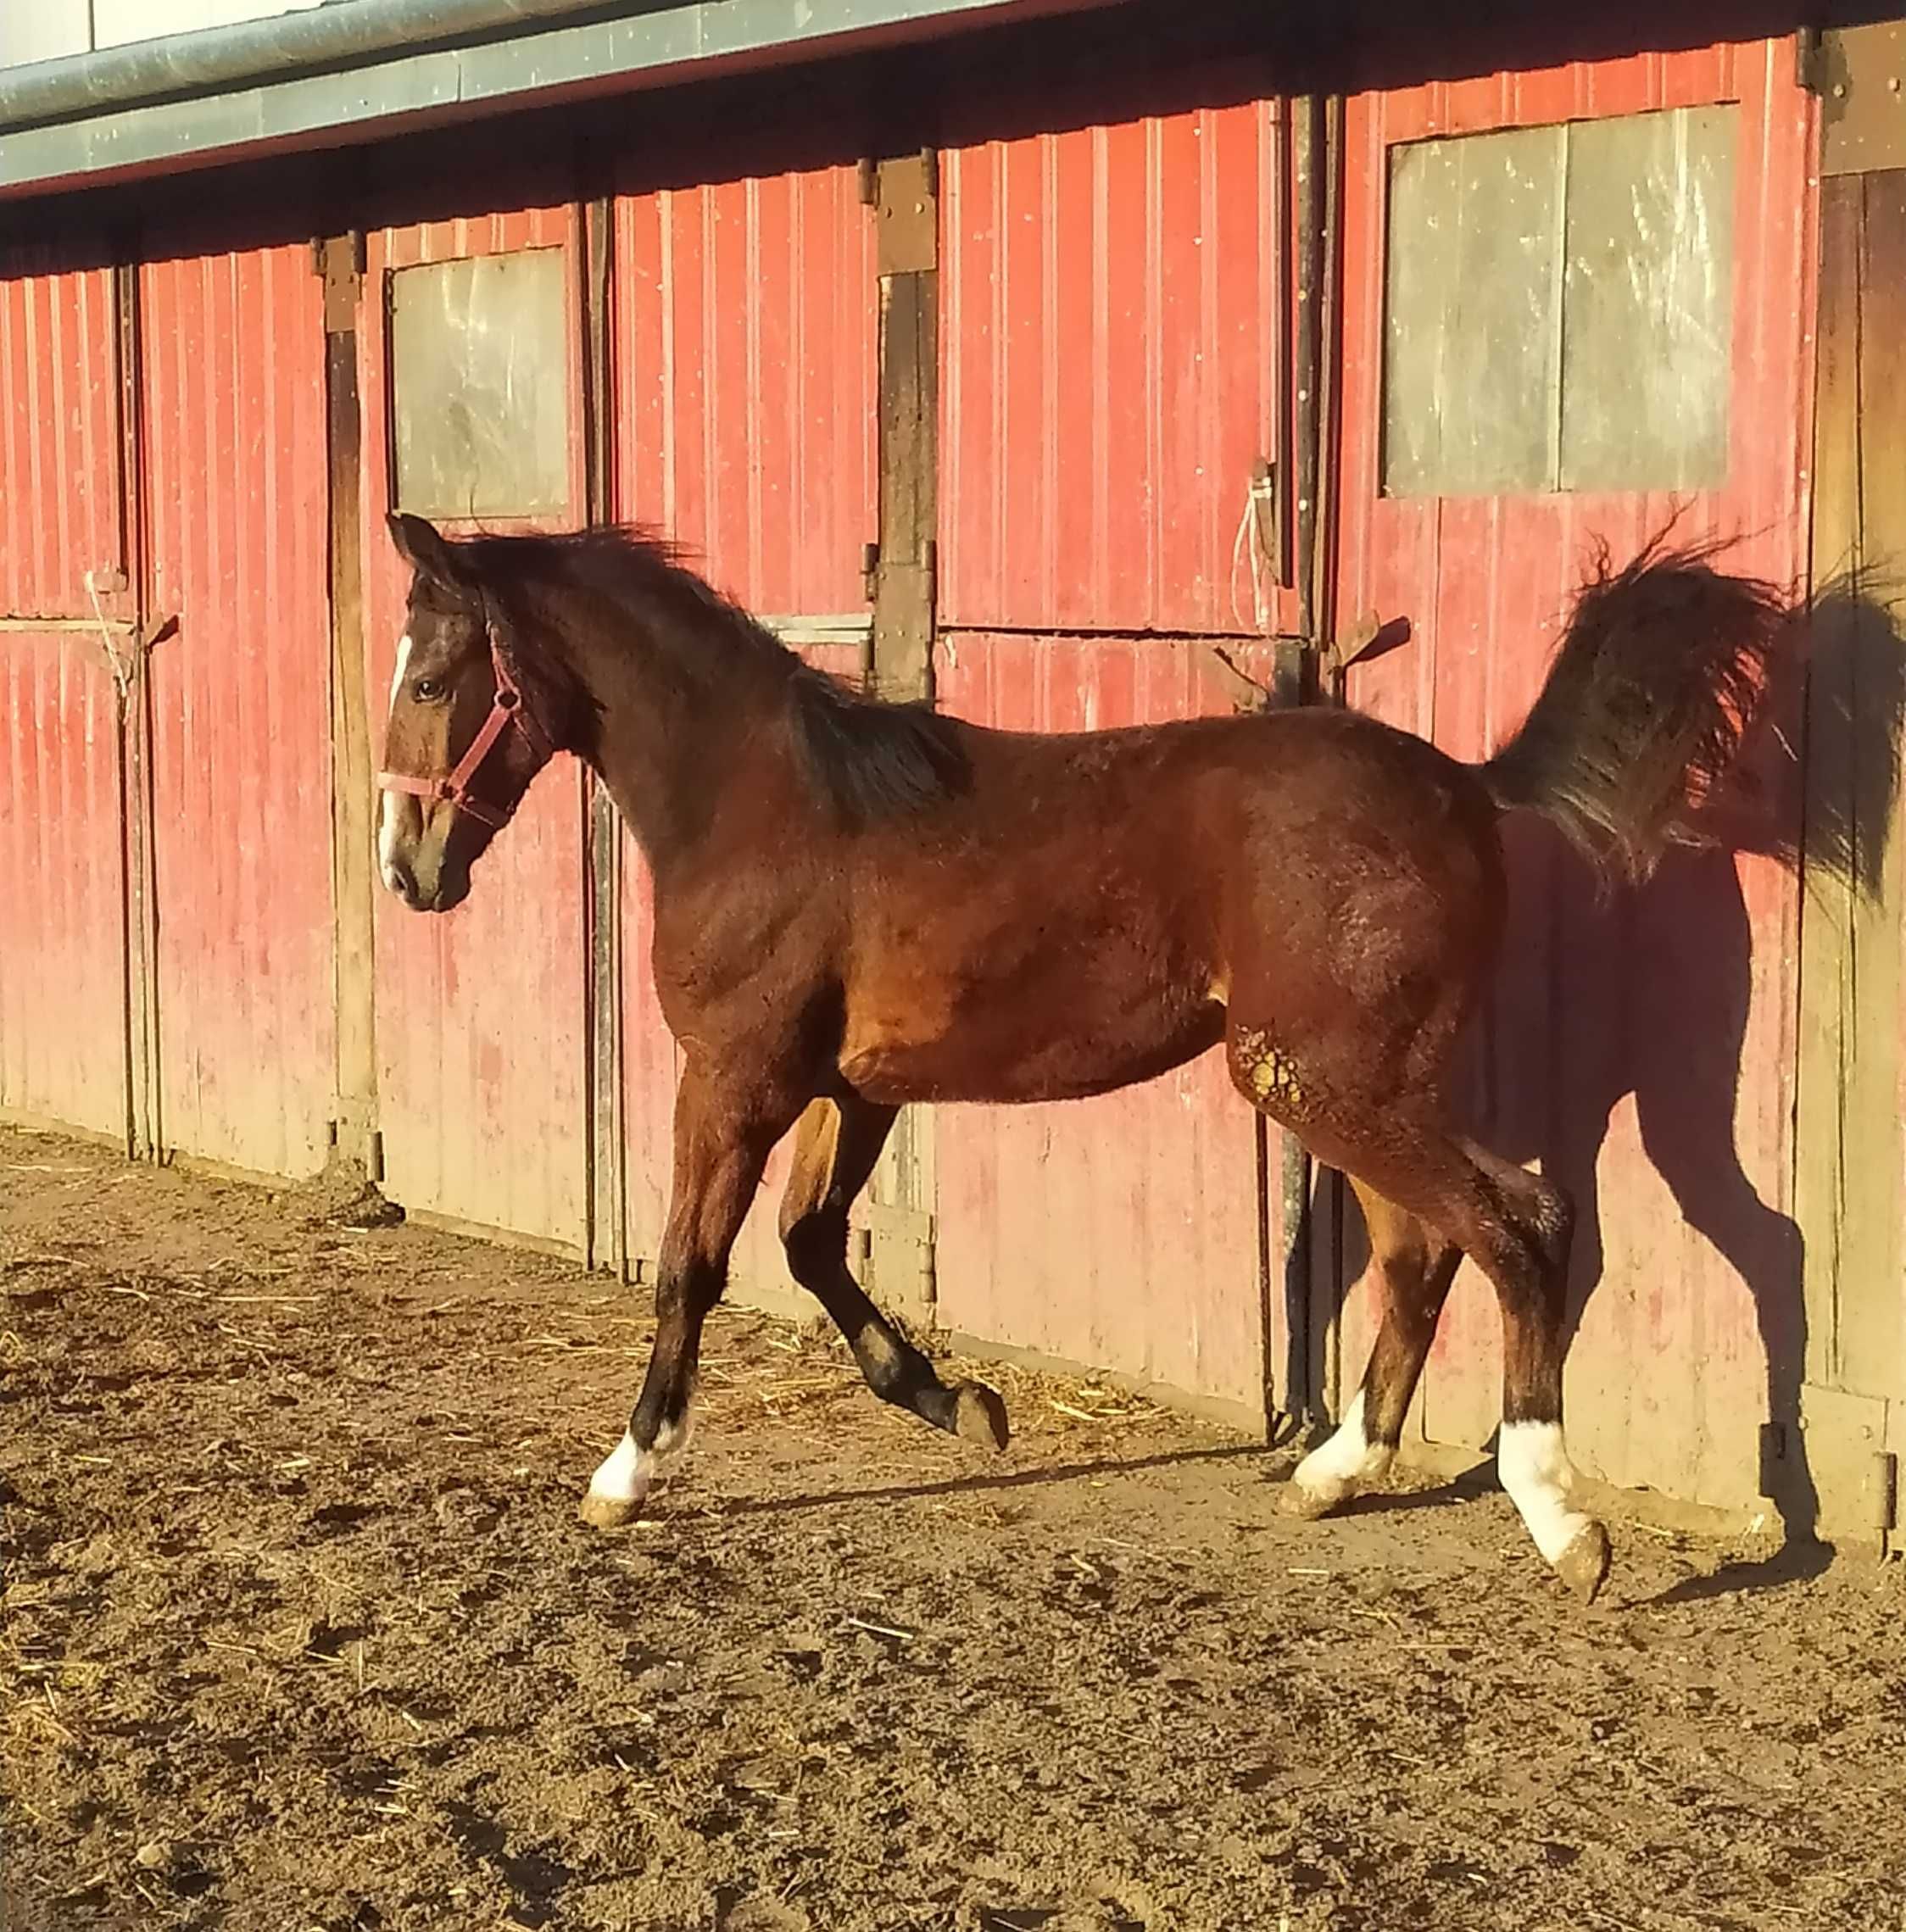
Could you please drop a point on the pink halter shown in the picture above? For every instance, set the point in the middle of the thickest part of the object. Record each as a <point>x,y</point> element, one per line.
<point>507,708</point>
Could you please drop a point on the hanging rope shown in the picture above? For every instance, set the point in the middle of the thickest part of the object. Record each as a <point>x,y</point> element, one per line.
<point>123,664</point>
<point>1260,497</point>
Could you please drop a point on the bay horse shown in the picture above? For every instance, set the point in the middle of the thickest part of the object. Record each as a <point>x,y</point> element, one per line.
<point>858,904</point>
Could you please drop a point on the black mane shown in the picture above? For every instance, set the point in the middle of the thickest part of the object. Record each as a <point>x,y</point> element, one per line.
<point>866,760</point>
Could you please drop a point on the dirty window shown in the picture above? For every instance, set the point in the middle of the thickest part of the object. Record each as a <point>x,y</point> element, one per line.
<point>1649,317</point>
<point>1473,340</point>
<point>480,400</point>
<point>1559,307</point>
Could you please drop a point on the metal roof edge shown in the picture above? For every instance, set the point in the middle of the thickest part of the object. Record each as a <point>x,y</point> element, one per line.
<point>332,35</point>
<point>364,102</point>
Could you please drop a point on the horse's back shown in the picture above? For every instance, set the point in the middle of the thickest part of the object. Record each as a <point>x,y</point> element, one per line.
<point>1083,913</point>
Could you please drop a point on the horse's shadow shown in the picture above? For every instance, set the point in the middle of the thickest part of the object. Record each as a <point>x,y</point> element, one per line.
<point>1646,994</point>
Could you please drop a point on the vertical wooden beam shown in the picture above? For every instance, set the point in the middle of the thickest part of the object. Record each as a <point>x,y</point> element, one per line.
<point>136,930</point>
<point>147,1126</point>
<point>907,211</point>
<point>608,1179</point>
<point>1828,903</point>
<point>1294,1389</point>
<point>1848,1197</point>
<point>904,194</point>
<point>1871,1327</point>
<point>340,263</point>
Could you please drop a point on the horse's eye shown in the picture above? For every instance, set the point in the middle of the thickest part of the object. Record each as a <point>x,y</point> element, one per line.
<point>428,690</point>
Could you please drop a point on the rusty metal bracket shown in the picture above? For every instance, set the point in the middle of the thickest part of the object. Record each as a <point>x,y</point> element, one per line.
<point>1859,74</point>
<point>1246,692</point>
<point>124,643</point>
<point>906,212</point>
<point>339,260</point>
<point>1366,641</point>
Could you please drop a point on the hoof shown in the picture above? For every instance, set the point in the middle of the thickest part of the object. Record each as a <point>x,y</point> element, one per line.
<point>1308,1504</point>
<point>1584,1565</point>
<point>609,1513</point>
<point>979,1416</point>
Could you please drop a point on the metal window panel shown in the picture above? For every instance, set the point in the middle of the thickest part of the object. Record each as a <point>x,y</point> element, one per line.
<point>1648,301</point>
<point>1473,337</point>
<point>480,365</point>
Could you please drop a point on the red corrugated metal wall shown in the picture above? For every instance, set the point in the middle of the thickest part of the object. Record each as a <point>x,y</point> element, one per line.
<point>62,959</point>
<point>234,439</point>
<point>1120,1232</point>
<point>59,439</point>
<point>745,316</point>
<point>1111,348</point>
<point>1616,1035</point>
<point>1112,324</point>
<point>1112,344</point>
<point>482,1013</point>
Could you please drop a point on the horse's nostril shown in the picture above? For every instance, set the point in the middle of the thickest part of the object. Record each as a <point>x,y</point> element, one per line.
<point>402,880</point>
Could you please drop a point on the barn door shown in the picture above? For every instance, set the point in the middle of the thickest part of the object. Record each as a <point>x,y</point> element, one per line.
<point>743,385</point>
<point>232,363</point>
<point>471,357</point>
<point>67,612</point>
<point>1850,1201</point>
<point>1569,308</point>
<point>1113,361</point>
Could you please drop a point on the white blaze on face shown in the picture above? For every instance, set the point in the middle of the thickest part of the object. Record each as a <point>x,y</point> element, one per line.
<point>1335,1468</point>
<point>403,665</point>
<point>1534,1465</point>
<point>390,820</point>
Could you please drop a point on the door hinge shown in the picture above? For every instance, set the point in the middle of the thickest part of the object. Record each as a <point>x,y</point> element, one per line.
<point>339,259</point>
<point>905,204</point>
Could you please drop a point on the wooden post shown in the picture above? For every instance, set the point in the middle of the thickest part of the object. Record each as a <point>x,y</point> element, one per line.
<point>904,194</point>
<point>136,929</point>
<point>607,1216</point>
<point>340,262</point>
<point>145,1124</point>
<point>1833,1445</point>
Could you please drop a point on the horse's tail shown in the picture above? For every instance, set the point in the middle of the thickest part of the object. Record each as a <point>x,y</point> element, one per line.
<point>1656,679</point>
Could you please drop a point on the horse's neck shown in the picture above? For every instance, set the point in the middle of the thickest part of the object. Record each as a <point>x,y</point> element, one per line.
<point>669,737</point>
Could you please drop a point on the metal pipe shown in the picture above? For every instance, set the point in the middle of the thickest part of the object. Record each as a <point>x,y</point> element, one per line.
<point>1294,1163</point>
<point>1305,119</point>
<point>1327,1189</point>
<point>325,36</point>
<point>1327,352</point>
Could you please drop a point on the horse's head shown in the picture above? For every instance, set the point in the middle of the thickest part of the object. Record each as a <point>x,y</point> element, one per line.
<point>466,731</point>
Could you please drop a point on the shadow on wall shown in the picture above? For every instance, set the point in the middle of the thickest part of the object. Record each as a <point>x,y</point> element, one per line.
<point>1646,992</point>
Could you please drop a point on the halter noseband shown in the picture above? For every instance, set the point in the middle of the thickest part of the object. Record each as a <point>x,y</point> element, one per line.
<point>507,708</point>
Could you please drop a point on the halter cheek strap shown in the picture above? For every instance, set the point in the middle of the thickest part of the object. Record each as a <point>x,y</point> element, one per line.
<point>507,708</point>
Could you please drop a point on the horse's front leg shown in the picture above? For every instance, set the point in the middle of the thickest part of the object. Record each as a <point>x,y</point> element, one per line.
<point>722,1144</point>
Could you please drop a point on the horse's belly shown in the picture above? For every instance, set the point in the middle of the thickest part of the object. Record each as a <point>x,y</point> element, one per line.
<point>1027,1052</point>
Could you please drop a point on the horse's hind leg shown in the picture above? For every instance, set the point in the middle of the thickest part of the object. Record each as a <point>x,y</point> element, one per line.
<point>836,1146</point>
<point>1530,1274</point>
<point>1413,1268</point>
<point>1515,1226</point>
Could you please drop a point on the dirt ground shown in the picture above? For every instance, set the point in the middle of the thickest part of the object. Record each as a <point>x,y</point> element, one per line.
<point>300,1631</point>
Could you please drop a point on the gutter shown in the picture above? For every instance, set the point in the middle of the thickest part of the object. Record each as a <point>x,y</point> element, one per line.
<point>355,71</point>
<point>337,33</point>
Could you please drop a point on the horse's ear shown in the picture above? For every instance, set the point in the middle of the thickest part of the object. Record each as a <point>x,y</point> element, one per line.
<point>422,546</point>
